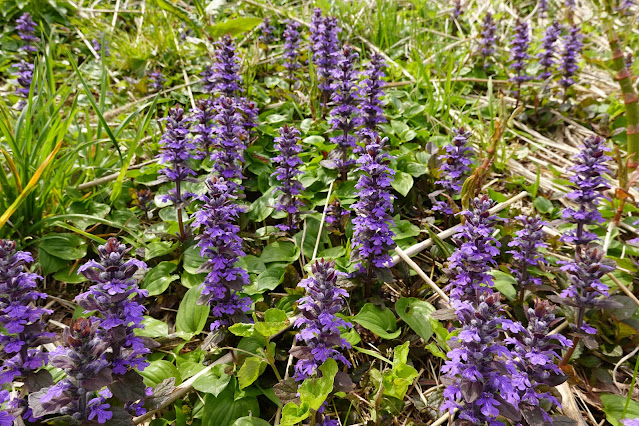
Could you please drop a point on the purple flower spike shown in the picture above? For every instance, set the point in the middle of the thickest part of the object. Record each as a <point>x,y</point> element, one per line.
<point>177,150</point>
<point>288,161</point>
<point>119,301</point>
<point>548,52</point>
<point>345,110</point>
<point>526,245</point>
<point>291,47</point>
<point>318,323</point>
<point>221,247</point>
<point>157,81</point>
<point>455,168</point>
<point>97,46</point>
<point>471,263</point>
<point>266,32</point>
<point>457,9</point>
<point>231,138</point>
<point>83,393</point>
<point>488,37</point>
<point>325,48</point>
<point>26,30</point>
<point>22,322</point>
<point>519,53</point>
<point>573,42</point>
<point>6,419</point>
<point>223,76</point>
<point>24,76</point>
<point>372,236</point>
<point>585,274</point>
<point>479,380</point>
<point>204,131</point>
<point>369,94</point>
<point>630,422</point>
<point>534,354</point>
<point>588,184</point>
<point>543,8</point>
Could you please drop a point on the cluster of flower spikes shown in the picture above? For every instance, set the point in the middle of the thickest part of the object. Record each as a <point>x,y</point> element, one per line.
<point>325,47</point>
<point>116,297</point>
<point>319,323</point>
<point>176,151</point>
<point>21,321</point>
<point>369,94</point>
<point>82,394</point>
<point>525,250</point>
<point>291,47</point>
<point>482,380</point>
<point>223,76</point>
<point>455,168</point>
<point>230,138</point>
<point>266,32</point>
<point>24,75</point>
<point>343,116</point>
<point>488,37</point>
<point>548,50</point>
<point>534,352</point>
<point>288,162</point>
<point>157,81</point>
<point>588,182</point>
<point>519,52</point>
<point>572,43</point>
<point>221,246</point>
<point>372,235</point>
<point>203,130</point>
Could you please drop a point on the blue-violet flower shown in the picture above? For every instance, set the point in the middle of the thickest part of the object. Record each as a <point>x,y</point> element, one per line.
<point>288,161</point>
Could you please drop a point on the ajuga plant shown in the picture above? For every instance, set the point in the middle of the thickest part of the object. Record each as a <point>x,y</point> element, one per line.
<point>336,215</point>
<point>288,162</point>
<point>157,81</point>
<point>488,38</point>
<point>267,32</point>
<point>548,52</point>
<point>478,372</point>
<point>455,167</point>
<point>203,130</point>
<point>118,304</point>
<point>230,139</point>
<point>23,331</point>
<point>343,114</point>
<point>319,323</point>
<point>223,76</point>
<point>25,26</point>
<point>6,419</point>
<point>372,235</point>
<point>588,183</point>
<point>221,247</point>
<point>457,9</point>
<point>82,395</point>
<point>291,48</point>
<point>369,94</point>
<point>572,44</point>
<point>176,151</point>
<point>317,21</point>
<point>25,67</point>
<point>519,55</point>
<point>525,250</point>
<point>325,50</point>
<point>534,352</point>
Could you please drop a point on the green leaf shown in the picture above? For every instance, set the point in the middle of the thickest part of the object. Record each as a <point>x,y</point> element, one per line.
<point>614,408</point>
<point>266,281</point>
<point>214,381</point>
<point>224,409</point>
<point>50,264</point>
<point>505,283</point>
<point>243,329</point>
<point>261,208</point>
<point>159,370</point>
<point>191,317</point>
<point>293,414</point>
<point>397,380</point>
<point>233,27</point>
<point>250,421</point>
<point>381,322</point>
<point>280,251</point>
<point>403,182</point>
<point>192,260</point>
<point>158,248</point>
<point>158,279</point>
<point>250,371</point>
<point>69,275</point>
<point>416,313</point>
<point>64,246</point>
<point>543,205</point>
<point>275,320</point>
<point>405,229</point>
<point>152,328</point>
<point>314,390</point>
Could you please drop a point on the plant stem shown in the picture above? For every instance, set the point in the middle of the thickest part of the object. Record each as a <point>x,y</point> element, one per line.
<point>580,319</point>
<point>178,196</point>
